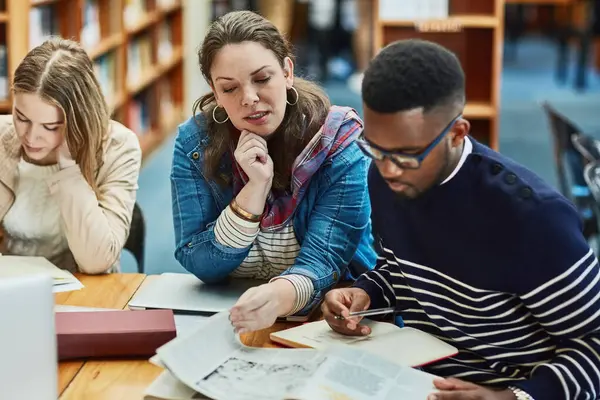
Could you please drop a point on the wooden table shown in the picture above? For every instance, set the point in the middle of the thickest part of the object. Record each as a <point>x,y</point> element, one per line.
<point>119,379</point>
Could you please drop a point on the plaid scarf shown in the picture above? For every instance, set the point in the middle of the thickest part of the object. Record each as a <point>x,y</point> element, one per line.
<point>342,126</point>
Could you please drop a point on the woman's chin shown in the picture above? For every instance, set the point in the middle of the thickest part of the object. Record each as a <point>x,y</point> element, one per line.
<point>42,156</point>
<point>265,130</point>
<point>36,155</point>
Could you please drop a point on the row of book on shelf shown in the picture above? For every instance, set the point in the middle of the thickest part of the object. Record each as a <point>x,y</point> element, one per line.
<point>43,23</point>
<point>91,33</point>
<point>140,58</point>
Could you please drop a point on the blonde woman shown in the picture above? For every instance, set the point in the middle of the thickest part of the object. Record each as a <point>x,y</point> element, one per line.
<point>68,174</point>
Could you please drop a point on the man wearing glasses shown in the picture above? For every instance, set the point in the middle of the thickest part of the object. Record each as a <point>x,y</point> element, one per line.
<point>474,248</point>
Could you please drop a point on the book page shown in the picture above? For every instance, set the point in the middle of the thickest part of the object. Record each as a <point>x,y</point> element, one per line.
<point>408,346</point>
<point>353,374</point>
<point>318,335</point>
<point>17,266</point>
<point>11,266</point>
<point>167,387</point>
<point>403,346</point>
<point>212,361</point>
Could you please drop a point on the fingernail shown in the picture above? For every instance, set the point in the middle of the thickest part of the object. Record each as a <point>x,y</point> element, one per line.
<point>432,397</point>
<point>364,331</point>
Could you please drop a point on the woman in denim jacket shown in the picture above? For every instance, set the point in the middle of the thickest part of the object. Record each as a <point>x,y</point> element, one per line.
<point>267,180</point>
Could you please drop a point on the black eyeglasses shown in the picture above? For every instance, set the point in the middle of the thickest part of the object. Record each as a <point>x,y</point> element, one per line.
<point>402,160</point>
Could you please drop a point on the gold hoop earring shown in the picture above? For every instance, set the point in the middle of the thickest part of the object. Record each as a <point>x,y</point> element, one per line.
<point>215,117</point>
<point>297,97</point>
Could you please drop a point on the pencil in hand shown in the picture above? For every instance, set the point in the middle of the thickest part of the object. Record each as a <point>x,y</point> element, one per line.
<point>367,313</point>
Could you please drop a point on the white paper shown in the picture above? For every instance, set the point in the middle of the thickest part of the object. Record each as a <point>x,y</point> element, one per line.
<point>67,287</point>
<point>167,387</point>
<point>156,361</point>
<point>214,362</point>
<point>188,323</point>
<point>16,266</point>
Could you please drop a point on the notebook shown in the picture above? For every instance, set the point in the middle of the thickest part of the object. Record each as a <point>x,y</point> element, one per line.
<point>406,346</point>
<point>20,266</point>
<point>186,293</point>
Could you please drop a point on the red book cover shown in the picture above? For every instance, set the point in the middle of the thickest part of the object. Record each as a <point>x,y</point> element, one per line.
<point>105,334</point>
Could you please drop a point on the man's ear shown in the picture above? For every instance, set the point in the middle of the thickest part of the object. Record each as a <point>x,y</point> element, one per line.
<point>460,129</point>
<point>288,70</point>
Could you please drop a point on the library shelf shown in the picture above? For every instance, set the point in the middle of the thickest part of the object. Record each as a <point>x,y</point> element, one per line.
<point>136,47</point>
<point>474,30</point>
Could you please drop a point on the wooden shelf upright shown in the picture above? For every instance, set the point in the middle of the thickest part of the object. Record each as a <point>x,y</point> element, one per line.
<point>136,46</point>
<point>474,30</point>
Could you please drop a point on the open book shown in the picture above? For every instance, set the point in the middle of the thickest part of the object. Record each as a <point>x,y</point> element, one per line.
<point>213,363</point>
<point>405,346</point>
<point>15,266</point>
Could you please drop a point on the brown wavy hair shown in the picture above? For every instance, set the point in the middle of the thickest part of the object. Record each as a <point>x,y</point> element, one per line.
<point>300,122</point>
<point>62,74</point>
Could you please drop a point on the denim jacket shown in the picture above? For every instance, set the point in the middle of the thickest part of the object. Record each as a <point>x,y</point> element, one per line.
<point>331,222</point>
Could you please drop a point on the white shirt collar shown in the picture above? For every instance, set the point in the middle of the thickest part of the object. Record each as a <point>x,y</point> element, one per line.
<point>467,149</point>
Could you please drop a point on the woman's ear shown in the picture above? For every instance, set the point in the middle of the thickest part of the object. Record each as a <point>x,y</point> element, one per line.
<point>288,70</point>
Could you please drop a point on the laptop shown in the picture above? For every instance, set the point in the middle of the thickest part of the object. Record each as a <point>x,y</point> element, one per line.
<point>28,362</point>
<point>185,293</point>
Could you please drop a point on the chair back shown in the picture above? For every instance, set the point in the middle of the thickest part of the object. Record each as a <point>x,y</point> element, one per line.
<point>562,131</point>
<point>592,178</point>
<point>572,182</point>
<point>591,173</point>
<point>587,146</point>
<point>137,237</point>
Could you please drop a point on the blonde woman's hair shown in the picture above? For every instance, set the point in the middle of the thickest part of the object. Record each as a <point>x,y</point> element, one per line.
<point>62,74</point>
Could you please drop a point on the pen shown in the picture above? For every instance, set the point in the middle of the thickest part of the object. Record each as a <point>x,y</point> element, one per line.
<point>366,313</point>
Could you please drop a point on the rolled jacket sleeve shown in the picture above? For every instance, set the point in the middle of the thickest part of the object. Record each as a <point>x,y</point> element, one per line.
<point>97,224</point>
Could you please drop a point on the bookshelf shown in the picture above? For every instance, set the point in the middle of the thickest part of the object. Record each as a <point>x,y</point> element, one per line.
<point>136,46</point>
<point>474,30</point>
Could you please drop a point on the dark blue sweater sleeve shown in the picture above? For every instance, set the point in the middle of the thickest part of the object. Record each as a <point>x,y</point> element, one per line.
<point>560,285</point>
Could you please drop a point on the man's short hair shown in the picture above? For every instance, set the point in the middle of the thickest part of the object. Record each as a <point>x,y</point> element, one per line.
<point>410,74</point>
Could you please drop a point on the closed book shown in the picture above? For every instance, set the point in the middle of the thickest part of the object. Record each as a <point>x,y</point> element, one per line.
<point>106,334</point>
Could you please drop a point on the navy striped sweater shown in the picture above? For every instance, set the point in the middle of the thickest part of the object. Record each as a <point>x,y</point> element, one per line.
<point>493,262</point>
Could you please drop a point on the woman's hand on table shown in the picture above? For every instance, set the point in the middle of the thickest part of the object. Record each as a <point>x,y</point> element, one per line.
<point>259,307</point>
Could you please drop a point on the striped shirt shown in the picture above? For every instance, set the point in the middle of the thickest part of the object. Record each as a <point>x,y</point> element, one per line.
<point>502,273</point>
<point>271,253</point>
